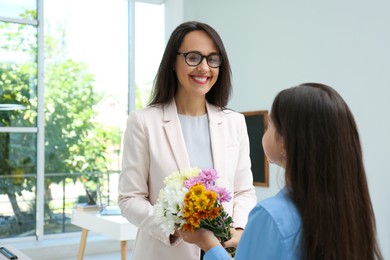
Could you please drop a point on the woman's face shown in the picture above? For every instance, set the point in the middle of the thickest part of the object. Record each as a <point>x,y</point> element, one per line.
<point>273,145</point>
<point>197,80</point>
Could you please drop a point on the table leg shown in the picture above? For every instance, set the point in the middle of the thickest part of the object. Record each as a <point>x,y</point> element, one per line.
<point>124,249</point>
<point>83,241</point>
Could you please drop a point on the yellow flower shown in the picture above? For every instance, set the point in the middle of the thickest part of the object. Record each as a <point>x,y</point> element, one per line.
<point>197,190</point>
<point>201,202</point>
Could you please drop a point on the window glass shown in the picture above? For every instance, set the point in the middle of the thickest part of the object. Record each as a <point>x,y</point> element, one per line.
<point>86,95</point>
<point>149,47</point>
<point>16,8</point>
<point>18,75</point>
<point>17,184</point>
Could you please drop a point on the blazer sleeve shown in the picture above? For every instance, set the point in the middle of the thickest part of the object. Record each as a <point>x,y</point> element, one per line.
<point>133,190</point>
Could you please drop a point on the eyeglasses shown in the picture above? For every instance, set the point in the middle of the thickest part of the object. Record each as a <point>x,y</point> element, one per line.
<point>193,59</point>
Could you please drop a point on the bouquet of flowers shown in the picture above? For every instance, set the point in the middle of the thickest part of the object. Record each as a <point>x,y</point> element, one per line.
<point>191,200</point>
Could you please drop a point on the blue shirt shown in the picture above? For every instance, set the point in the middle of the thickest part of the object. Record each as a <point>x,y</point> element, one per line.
<point>273,232</point>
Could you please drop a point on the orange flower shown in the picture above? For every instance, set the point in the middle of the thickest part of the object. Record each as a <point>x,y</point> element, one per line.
<point>202,214</point>
<point>188,227</point>
<point>194,221</point>
<point>215,212</point>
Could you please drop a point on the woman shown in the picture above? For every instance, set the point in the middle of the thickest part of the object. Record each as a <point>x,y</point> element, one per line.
<point>186,125</point>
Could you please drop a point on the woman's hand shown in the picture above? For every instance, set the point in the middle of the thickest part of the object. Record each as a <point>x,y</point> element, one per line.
<point>203,238</point>
<point>236,235</point>
<point>174,237</point>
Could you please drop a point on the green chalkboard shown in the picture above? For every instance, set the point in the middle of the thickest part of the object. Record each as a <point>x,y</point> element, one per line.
<point>256,122</point>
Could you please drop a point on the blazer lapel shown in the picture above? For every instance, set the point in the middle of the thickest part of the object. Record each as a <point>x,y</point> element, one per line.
<point>217,137</point>
<point>175,136</point>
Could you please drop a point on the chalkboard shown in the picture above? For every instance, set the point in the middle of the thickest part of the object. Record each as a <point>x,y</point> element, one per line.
<point>256,122</point>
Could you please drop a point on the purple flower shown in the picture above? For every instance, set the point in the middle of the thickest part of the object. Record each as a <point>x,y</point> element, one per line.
<point>223,194</point>
<point>191,182</point>
<point>207,178</point>
<point>208,175</point>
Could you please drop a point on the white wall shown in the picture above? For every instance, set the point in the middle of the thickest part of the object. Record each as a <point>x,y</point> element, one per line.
<point>173,15</point>
<point>346,44</point>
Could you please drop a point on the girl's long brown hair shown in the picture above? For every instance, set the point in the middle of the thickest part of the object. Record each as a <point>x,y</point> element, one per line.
<point>325,173</point>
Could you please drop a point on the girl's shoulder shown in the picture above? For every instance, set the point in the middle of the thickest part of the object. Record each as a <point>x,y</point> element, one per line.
<point>281,201</point>
<point>281,209</point>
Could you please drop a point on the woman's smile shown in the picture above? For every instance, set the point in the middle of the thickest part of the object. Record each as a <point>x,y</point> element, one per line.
<point>200,79</point>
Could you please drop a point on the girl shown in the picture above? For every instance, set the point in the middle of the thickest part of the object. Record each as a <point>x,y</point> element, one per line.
<point>324,211</point>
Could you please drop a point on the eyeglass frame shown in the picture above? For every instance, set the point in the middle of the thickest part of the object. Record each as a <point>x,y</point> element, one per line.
<point>202,58</point>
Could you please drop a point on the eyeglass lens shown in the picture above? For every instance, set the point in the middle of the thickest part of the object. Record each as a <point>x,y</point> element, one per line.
<point>194,59</point>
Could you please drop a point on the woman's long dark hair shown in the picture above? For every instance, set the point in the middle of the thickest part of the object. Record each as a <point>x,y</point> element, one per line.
<point>166,83</point>
<point>325,173</point>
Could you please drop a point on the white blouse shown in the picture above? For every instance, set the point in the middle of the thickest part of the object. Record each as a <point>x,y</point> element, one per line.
<point>196,134</point>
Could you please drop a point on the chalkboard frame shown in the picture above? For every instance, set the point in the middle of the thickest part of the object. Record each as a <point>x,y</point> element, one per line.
<point>257,122</point>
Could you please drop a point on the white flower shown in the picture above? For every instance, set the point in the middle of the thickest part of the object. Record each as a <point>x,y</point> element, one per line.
<point>180,176</point>
<point>170,201</point>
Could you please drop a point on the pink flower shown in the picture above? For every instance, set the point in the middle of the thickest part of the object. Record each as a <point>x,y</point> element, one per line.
<point>209,175</point>
<point>223,194</point>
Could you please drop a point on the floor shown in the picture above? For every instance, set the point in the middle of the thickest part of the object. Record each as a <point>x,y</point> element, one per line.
<point>97,248</point>
<point>111,256</point>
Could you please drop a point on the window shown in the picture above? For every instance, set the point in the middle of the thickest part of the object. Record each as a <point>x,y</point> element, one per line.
<point>61,133</point>
<point>18,118</point>
<point>149,47</point>
<point>86,88</point>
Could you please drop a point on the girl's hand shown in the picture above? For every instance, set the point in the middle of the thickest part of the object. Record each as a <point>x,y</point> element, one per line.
<point>236,235</point>
<point>203,238</point>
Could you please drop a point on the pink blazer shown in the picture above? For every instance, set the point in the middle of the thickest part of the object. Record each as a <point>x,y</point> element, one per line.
<point>154,147</point>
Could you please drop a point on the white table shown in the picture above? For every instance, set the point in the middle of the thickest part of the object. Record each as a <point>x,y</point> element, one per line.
<point>116,227</point>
